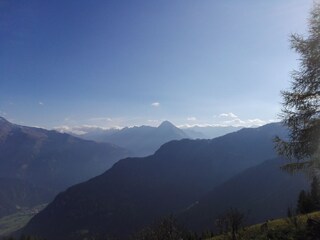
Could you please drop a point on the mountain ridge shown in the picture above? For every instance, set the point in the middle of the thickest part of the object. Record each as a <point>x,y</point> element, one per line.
<point>261,192</point>
<point>51,160</point>
<point>136,191</point>
<point>143,140</point>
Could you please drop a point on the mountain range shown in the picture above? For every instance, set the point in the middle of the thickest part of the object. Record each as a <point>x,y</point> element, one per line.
<point>178,178</point>
<point>35,158</point>
<point>140,141</point>
<point>208,132</point>
<point>145,140</point>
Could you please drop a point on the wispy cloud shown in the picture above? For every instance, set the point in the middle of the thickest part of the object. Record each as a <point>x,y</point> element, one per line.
<point>153,121</point>
<point>79,130</point>
<point>155,104</point>
<point>82,126</point>
<point>227,119</point>
<point>192,119</point>
<point>231,119</point>
<point>94,119</point>
<point>228,115</point>
<point>41,103</point>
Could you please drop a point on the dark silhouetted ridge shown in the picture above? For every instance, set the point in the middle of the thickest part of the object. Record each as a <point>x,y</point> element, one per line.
<point>136,191</point>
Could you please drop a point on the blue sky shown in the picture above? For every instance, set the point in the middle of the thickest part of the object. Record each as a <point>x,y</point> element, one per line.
<point>119,63</point>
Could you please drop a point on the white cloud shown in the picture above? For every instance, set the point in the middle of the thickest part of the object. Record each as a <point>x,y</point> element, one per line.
<point>234,122</point>
<point>155,104</point>
<point>196,125</point>
<point>228,115</point>
<point>89,125</point>
<point>237,122</point>
<point>153,121</point>
<point>231,119</point>
<point>79,130</point>
<point>257,121</point>
<point>273,120</point>
<point>62,129</point>
<point>41,103</point>
<point>192,119</point>
<point>100,119</point>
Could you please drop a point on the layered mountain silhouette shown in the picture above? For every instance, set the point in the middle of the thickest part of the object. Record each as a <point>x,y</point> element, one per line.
<point>208,132</point>
<point>136,191</point>
<point>145,134</point>
<point>262,193</point>
<point>51,160</point>
<point>141,141</point>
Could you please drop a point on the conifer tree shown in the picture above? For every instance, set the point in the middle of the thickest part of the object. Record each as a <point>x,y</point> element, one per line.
<point>315,193</point>
<point>304,203</point>
<point>301,103</point>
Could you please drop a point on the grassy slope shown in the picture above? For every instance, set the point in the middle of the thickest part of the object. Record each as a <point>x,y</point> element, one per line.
<point>14,222</point>
<point>278,227</point>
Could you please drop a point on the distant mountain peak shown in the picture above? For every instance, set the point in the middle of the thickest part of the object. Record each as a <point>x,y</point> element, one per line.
<point>2,119</point>
<point>4,123</point>
<point>166,124</point>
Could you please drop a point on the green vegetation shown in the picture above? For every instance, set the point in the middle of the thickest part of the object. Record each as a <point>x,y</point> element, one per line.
<point>305,226</point>
<point>291,228</point>
<point>14,222</point>
<point>309,201</point>
<point>295,227</point>
<point>301,103</point>
<point>231,221</point>
<point>165,229</point>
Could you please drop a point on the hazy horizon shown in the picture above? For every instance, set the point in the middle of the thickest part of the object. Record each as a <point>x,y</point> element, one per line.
<point>83,129</point>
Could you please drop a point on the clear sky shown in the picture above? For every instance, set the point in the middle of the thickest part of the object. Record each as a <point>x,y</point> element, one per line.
<point>118,62</point>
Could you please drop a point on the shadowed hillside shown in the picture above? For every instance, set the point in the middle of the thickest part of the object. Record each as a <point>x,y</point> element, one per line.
<point>136,191</point>
<point>48,160</point>
<point>262,192</point>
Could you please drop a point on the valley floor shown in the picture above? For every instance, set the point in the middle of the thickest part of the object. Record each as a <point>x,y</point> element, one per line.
<point>14,222</point>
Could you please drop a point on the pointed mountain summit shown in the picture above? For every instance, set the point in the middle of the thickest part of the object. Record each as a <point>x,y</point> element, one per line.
<point>167,128</point>
<point>5,122</point>
<point>2,119</point>
<point>5,128</point>
<point>144,140</point>
<point>166,124</point>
